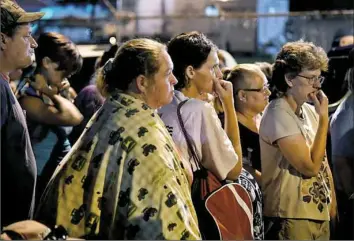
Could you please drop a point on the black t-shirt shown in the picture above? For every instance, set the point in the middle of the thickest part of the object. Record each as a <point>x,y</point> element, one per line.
<point>250,146</point>
<point>18,165</point>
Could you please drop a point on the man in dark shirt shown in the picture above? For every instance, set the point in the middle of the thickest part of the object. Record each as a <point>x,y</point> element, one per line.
<point>18,166</point>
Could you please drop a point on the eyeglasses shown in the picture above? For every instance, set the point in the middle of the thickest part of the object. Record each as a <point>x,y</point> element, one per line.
<point>313,80</point>
<point>264,89</point>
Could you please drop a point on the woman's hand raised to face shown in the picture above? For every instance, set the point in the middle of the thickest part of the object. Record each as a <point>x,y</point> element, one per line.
<point>320,102</point>
<point>40,84</point>
<point>224,90</point>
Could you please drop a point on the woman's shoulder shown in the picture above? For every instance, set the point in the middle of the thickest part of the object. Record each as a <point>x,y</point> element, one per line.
<point>190,105</point>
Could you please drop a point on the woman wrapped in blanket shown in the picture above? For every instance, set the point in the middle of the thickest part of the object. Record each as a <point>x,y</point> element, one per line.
<point>123,179</point>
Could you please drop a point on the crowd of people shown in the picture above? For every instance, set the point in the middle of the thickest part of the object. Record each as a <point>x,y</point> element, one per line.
<point>164,131</point>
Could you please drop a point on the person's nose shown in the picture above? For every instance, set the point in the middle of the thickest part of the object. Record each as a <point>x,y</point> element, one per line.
<point>173,80</point>
<point>267,92</point>
<point>33,43</point>
<point>317,85</point>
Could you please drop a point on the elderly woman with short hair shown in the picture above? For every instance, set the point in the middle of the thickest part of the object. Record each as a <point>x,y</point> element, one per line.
<point>296,179</point>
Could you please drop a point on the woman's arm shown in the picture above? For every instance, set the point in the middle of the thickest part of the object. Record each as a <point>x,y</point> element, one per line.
<point>62,113</point>
<point>225,91</point>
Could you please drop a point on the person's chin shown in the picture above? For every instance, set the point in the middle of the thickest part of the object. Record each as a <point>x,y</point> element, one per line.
<point>26,63</point>
<point>169,99</point>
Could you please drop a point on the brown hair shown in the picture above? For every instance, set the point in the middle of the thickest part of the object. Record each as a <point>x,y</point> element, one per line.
<point>135,57</point>
<point>60,50</point>
<point>266,68</point>
<point>295,57</point>
<point>185,49</point>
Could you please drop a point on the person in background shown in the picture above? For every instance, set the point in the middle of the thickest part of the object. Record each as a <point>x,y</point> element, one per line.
<point>342,134</point>
<point>225,59</point>
<point>89,99</point>
<point>251,93</point>
<point>343,37</point>
<point>18,164</point>
<point>48,104</point>
<point>297,183</point>
<point>124,179</point>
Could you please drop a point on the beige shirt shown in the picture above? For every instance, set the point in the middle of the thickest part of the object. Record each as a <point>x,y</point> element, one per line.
<point>287,193</point>
<point>123,179</point>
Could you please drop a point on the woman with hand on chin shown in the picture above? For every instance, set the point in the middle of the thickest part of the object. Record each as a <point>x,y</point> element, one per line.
<point>297,183</point>
<point>196,67</point>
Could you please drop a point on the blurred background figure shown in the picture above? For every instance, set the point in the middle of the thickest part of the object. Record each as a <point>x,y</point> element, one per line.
<point>225,59</point>
<point>89,99</point>
<point>48,102</point>
<point>342,134</point>
<point>343,37</point>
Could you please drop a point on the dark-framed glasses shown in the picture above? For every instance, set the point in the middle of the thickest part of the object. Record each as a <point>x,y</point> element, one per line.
<point>264,89</point>
<point>313,80</point>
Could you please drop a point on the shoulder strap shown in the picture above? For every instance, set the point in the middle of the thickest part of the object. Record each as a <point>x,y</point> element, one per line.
<point>190,143</point>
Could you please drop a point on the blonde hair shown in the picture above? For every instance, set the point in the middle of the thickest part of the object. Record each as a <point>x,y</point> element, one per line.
<point>135,57</point>
<point>239,75</point>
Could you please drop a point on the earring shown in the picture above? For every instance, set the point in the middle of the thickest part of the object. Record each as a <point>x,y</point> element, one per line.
<point>243,99</point>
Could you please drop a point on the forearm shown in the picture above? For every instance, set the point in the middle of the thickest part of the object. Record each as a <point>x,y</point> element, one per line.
<point>231,127</point>
<point>318,147</point>
<point>67,109</point>
<point>254,172</point>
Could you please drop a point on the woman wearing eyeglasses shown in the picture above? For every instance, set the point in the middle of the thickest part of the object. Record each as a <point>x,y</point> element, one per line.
<point>297,183</point>
<point>251,94</point>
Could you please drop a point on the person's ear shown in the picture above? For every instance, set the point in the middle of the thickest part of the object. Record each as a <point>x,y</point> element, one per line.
<point>3,41</point>
<point>289,80</point>
<point>189,72</point>
<point>46,62</point>
<point>142,84</point>
<point>241,95</point>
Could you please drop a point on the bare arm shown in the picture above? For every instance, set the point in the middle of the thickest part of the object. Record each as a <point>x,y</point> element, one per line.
<point>232,131</point>
<point>63,113</point>
<point>254,172</point>
<point>308,160</point>
<point>224,90</point>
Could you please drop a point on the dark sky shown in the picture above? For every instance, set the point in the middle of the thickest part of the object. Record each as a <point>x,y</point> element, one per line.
<point>309,5</point>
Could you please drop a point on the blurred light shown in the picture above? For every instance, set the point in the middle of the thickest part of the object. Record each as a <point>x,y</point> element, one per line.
<point>112,40</point>
<point>211,11</point>
<point>49,12</point>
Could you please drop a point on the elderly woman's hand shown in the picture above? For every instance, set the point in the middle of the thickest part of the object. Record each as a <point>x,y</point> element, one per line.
<point>320,101</point>
<point>28,229</point>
